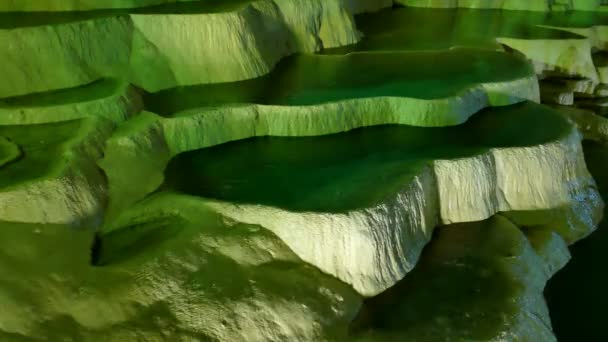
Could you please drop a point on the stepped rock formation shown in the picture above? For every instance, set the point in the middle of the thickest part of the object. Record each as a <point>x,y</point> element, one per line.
<point>186,45</point>
<point>302,170</point>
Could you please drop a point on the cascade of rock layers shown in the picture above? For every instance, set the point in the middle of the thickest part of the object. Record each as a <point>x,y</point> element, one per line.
<point>107,235</point>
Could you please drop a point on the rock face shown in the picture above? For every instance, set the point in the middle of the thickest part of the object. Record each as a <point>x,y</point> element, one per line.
<point>219,281</point>
<point>278,170</point>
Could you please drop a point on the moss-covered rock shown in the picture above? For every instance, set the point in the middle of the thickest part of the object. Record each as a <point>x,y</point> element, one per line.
<point>8,151</point>
<point>55,179</point>
<point>107,98</point>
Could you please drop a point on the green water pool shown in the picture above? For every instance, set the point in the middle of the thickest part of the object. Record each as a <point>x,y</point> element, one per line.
<point>354,169</point>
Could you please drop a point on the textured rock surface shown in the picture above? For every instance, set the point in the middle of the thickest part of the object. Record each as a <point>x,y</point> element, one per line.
<point>167,49</point>
<point>187,275</point>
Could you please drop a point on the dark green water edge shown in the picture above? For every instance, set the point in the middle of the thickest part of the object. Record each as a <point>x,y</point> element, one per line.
<point>350,170</point>
<point>311,79</point>
<point>577,294</point>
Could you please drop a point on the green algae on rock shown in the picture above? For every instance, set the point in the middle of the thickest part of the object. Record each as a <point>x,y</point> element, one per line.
<point>55,179</point>
<point>480,281</point>
<point>108,98</point>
